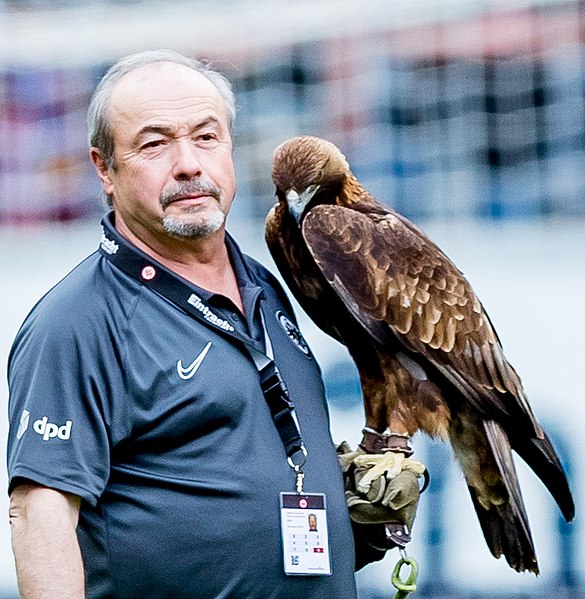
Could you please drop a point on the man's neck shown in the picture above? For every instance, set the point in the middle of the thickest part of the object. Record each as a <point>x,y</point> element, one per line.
<point>204,262</point>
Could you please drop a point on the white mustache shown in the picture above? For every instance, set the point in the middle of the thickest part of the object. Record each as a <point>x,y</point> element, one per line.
<point>187,188</point>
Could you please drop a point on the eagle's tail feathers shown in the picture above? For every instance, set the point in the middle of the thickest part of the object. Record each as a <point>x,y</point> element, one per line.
<point>505,526</point>
<point>505,535</point>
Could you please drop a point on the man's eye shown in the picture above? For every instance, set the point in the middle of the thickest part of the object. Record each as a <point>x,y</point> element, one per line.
<point>153,143</point>
<point>207,137</point>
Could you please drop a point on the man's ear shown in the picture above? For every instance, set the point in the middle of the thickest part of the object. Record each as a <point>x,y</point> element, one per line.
<point>103,172</point>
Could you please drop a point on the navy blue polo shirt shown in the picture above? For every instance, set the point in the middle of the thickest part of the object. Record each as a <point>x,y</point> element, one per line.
<point>157,421</point>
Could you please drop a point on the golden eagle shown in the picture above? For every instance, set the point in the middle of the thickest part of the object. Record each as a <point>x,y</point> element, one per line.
<point>427,354</point>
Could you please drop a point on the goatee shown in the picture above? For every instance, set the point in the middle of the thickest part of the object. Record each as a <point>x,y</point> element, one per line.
<point>178,226</point>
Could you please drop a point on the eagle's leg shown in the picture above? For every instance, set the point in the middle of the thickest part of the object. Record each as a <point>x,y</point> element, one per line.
<point>390,393</point>
<point>386,436</point>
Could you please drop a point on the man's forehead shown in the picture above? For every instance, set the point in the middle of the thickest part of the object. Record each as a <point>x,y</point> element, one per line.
<point>161,84</point>
<point>169,71</point>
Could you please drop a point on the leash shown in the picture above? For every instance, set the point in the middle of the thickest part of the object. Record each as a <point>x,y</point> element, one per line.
<point>404,587</point>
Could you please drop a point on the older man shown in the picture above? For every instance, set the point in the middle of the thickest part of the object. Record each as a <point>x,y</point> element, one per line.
<point>145,456</point>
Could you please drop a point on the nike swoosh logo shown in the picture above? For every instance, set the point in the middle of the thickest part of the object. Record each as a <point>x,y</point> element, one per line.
<point>189,372</point>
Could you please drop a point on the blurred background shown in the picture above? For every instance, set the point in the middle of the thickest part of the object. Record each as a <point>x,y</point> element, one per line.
<point>467,116</point>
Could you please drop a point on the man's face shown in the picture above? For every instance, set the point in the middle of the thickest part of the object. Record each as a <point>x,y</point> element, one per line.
<point>173,172</point>
<point>312,522</point>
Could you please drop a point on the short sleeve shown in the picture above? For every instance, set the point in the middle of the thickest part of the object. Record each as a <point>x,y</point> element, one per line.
<point>59,418</point>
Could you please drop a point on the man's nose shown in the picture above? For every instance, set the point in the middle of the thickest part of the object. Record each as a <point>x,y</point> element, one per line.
<point>186,160</point>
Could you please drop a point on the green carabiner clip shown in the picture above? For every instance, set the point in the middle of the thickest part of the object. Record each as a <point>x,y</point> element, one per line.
<point>405,587</point>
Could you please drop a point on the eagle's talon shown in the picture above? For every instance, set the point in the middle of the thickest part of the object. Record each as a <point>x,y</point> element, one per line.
<point>389,464</point>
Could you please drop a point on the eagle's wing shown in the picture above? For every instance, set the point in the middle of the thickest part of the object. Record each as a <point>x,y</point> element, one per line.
<point>389,274</point>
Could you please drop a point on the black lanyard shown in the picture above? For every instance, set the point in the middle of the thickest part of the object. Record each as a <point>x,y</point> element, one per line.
<point>154,275</point>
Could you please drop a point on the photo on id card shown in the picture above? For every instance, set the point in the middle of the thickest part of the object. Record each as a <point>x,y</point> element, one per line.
<point>305,536</point>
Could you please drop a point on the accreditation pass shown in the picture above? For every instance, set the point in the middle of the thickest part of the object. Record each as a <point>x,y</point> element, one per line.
<point>304,534</point>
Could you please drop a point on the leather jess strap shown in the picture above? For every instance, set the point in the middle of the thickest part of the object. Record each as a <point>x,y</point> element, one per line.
<point>375,442</point>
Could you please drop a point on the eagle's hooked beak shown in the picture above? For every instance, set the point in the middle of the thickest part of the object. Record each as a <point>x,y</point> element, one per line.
<point>298,202</point>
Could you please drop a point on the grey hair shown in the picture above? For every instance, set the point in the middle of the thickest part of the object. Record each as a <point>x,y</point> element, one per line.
<point>98,126</point>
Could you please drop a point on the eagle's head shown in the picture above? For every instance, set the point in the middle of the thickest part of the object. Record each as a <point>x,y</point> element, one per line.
<point>306,171</point>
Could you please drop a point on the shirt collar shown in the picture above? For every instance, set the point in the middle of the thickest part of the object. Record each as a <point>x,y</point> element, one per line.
<point>249,289</point>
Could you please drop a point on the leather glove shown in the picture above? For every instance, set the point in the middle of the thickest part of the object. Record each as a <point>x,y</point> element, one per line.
<point>381,489</point>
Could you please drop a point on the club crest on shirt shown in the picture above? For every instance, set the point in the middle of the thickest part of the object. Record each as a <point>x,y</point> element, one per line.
<point>293,333</point>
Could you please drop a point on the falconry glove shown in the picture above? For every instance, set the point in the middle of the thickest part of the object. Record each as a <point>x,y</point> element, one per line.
<point>381,489</point>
